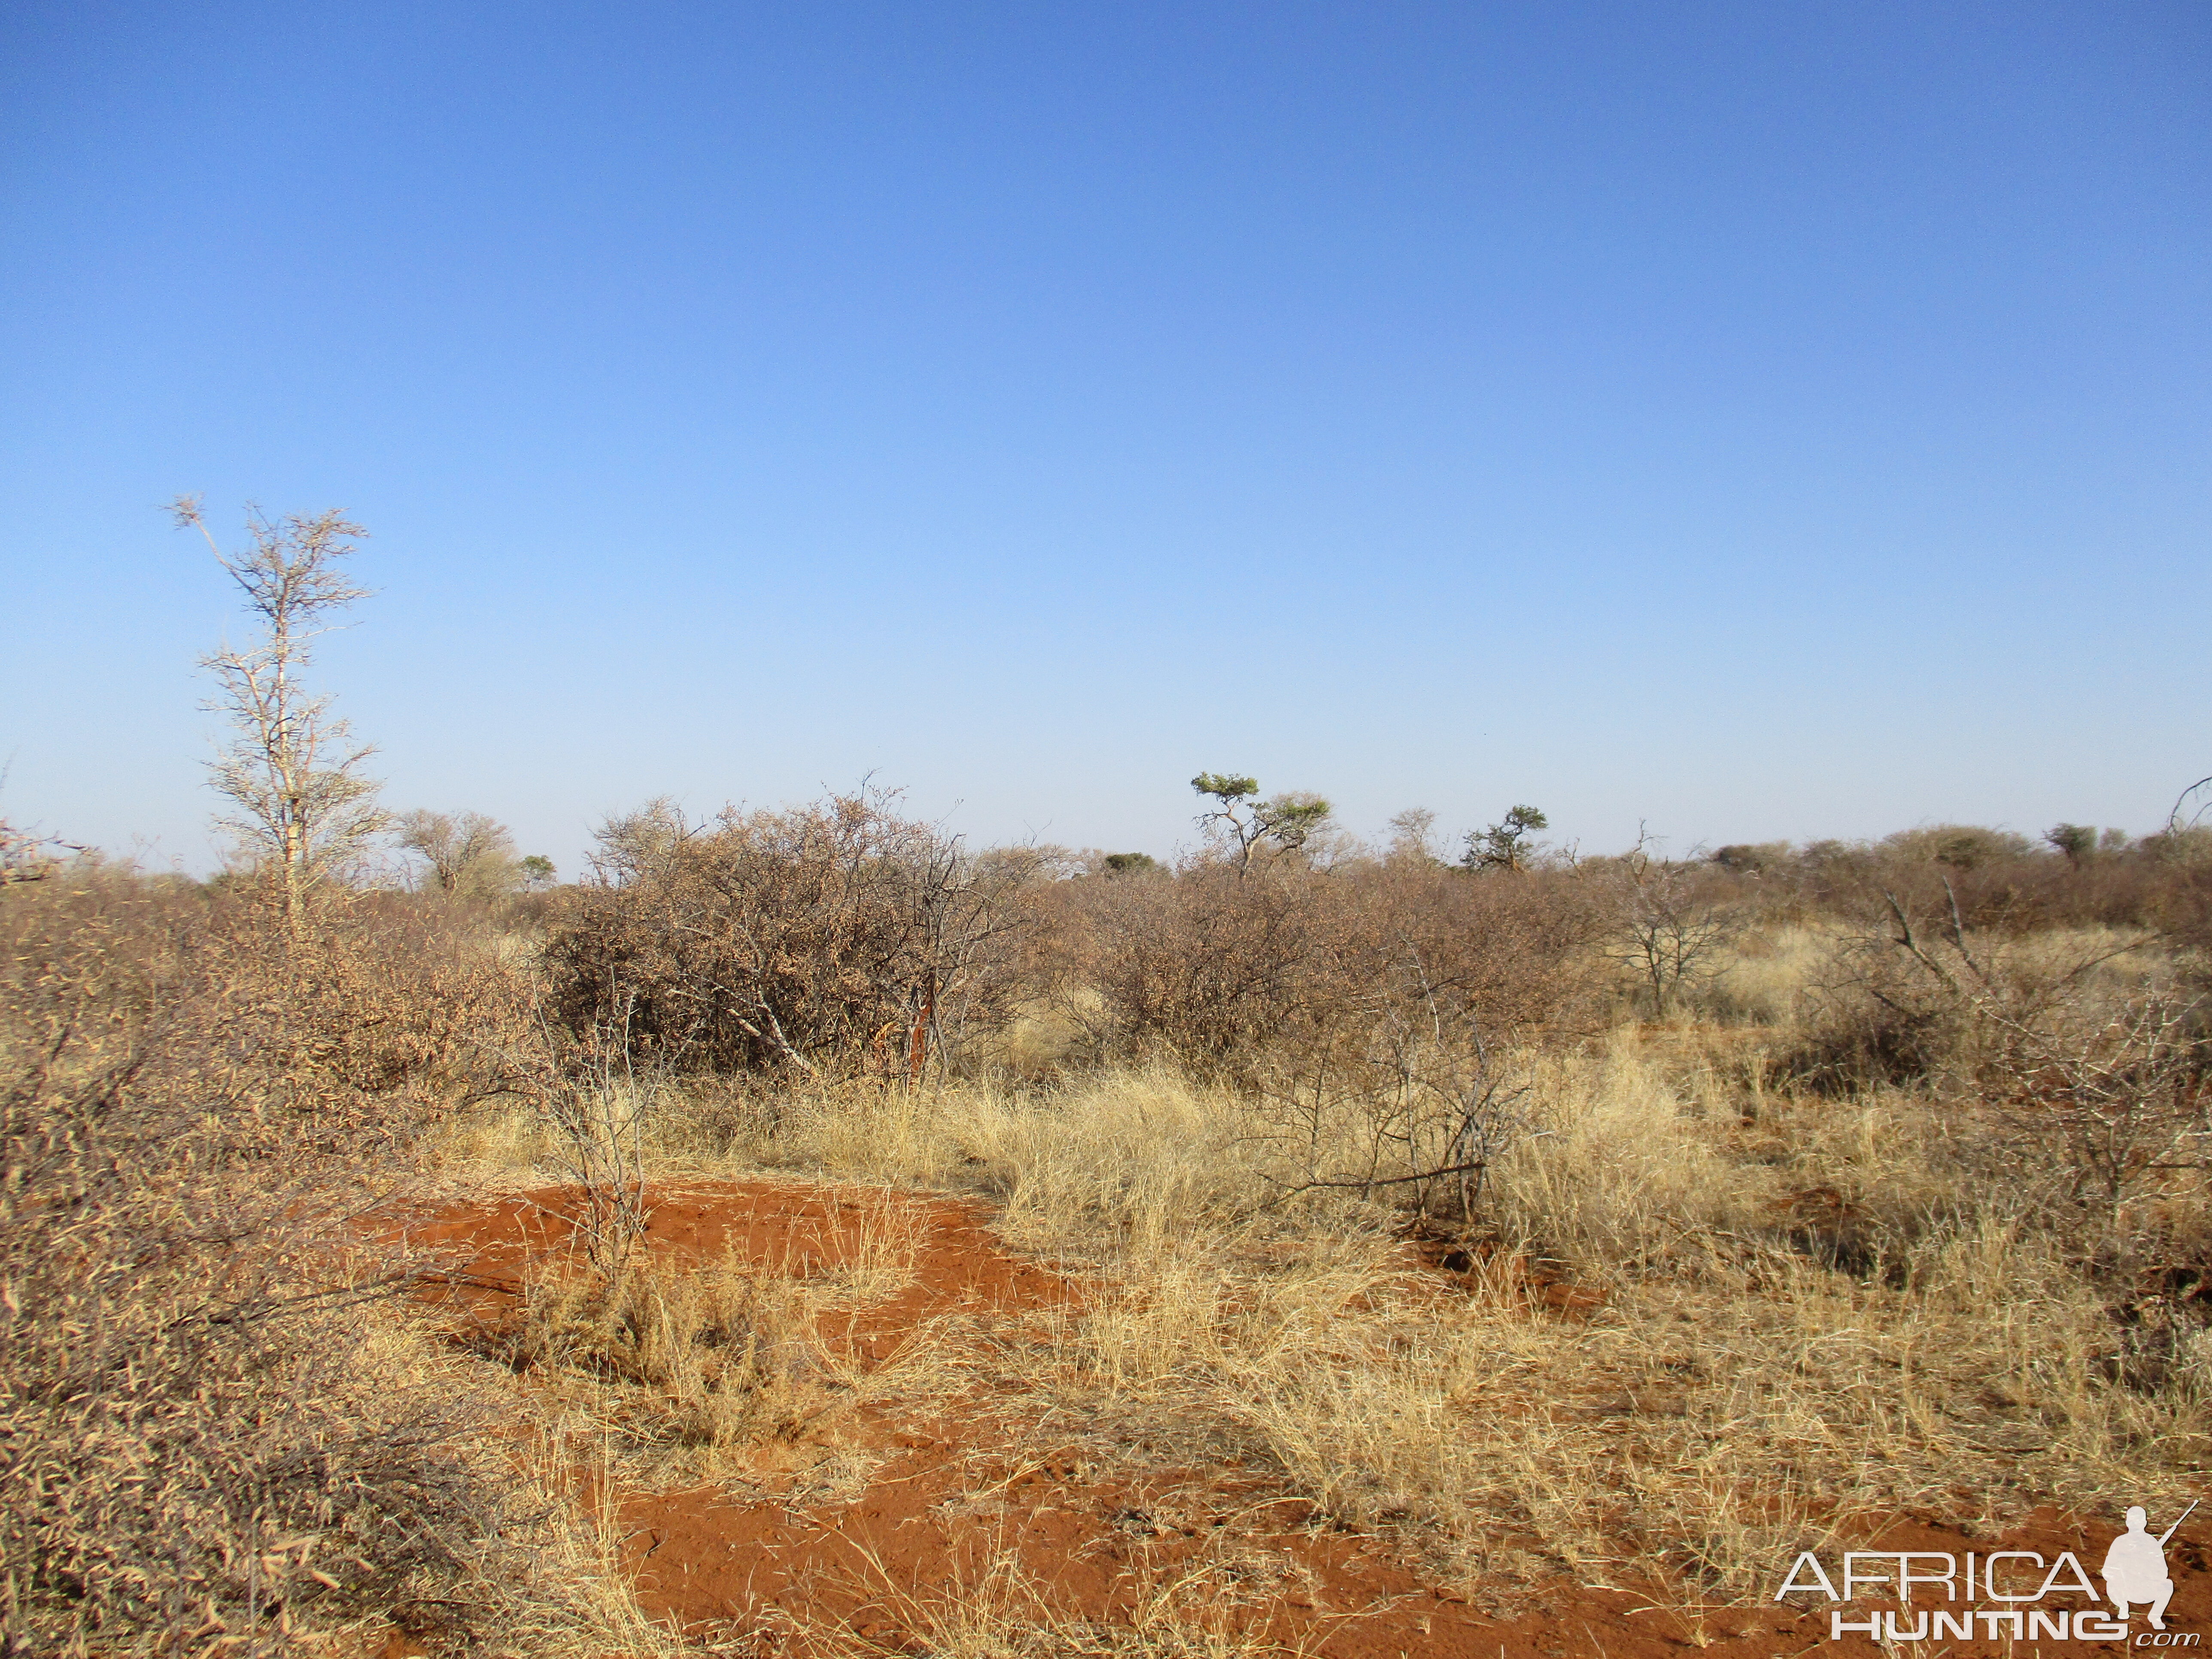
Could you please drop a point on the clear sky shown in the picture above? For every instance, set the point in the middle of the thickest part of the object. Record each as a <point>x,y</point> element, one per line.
<point>1758,420</point>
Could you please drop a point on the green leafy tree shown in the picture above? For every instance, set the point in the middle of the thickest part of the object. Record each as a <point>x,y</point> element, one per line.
<point>1288,820</point>
<point>2076,841</point>
<point>537,872</point>
<point>1508,845</point>
<point>1752,858</point>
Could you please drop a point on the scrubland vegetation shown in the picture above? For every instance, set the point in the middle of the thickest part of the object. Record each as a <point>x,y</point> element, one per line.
<point>1636,1218</point>
<point>1628,1220</point>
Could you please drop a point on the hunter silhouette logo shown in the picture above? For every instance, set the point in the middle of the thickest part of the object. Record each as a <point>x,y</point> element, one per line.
<point>2134,1567</point>
<point>2021,1583</point>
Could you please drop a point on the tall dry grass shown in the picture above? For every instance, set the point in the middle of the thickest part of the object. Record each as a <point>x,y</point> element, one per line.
<point>1802,1313</point>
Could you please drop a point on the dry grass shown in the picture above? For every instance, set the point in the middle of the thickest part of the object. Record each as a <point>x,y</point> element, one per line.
<point>686,1371</point>
<point>1763,978</point>
<point>686,1357</point>
<point>1804,1320</point>
<point>1001,1609</point>
<point>1809,1312</point>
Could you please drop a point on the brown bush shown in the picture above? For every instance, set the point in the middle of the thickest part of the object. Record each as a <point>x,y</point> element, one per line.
<point>1883,1018</point>
<point>2098,1076</point>
<point>2001,883</point>
<point>1230,971</point>
<point>201,1432</point>
<point>829,937</point>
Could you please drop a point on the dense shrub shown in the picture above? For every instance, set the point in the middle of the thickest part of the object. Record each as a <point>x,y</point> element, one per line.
<point>201,1432</point>
<point>1228,970</point>
<point>2000,882</point>
<point>830,937</point>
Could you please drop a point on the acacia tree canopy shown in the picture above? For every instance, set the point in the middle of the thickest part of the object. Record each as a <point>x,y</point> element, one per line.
<point>1288,819</point>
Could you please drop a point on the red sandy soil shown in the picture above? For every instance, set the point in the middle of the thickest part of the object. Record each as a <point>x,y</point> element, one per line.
<point>985,1499</point>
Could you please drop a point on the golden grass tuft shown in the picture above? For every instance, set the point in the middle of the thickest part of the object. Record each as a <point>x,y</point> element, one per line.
<point>689,1359</point>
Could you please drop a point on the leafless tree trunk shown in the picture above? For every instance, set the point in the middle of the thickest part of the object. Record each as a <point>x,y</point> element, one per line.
<point>301,811</point>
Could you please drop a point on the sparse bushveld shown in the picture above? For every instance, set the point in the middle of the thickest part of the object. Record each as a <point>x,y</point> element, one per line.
<point>1646,1220</point>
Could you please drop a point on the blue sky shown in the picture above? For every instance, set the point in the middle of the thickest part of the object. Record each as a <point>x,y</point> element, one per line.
<point>1757,421</point>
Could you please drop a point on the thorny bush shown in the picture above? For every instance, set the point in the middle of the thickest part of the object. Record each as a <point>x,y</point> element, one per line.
<point>1302,968</point>
<point>202,1431</point>
<point>831,937</point>
<point>2096,1076</point>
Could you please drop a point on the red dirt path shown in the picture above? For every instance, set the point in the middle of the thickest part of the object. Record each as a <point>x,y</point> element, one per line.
<point>977,1499</point>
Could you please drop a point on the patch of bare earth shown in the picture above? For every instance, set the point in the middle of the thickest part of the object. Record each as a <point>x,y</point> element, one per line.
<point>922,1489</point>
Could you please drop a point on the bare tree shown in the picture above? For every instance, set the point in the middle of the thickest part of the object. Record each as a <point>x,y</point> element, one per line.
<point>958,909</point>
<point>1410,836</point>
<point>2186,816</point>
<point>26,855</point>
<point>1417,1104</point>
<point>1666,928</point>
<point>302,809</point>
<point>467,854</point>
<point>599,1107</point>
